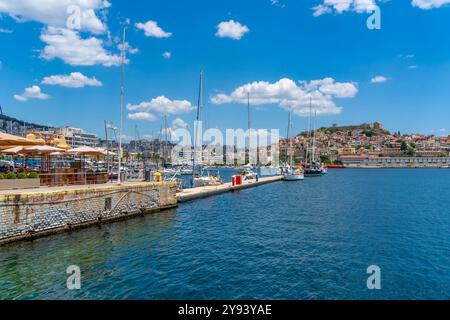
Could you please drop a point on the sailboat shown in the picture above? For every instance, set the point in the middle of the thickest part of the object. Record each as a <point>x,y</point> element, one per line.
<point>314,169</point>
<point>198,179</point>
<point>291,173</point>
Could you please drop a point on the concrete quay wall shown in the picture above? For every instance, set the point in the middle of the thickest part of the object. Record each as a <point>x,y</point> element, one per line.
<point>32,214</point>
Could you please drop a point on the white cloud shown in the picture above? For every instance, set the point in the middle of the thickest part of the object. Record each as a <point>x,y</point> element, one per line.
<point>167,55</point>
<point>74,80</point>
<point>179,123</point>
<point>364,6</point>
<point>407,56</point>
<point>441,131</point>
<point>277,3</point>
<point>170,132</point>
<point>128,48</point>
<point>292,96</point>
<point>321,10</point>
<point>151,29</point>
<point>231,29</point>
<point>412,67</point>
<point>340,6</point>
<point>33,92</point>
<point>6,31</point>
<point>378,79</point>
<point>429,4</point>
<point>163,106</point>
<point>330,87</point>
<point>127,138</point>
<point>55,12</point>
<point>68,46</point>
<point>142,116</point>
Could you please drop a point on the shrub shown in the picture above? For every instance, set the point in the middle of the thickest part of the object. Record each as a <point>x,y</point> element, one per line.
<point>33,175</point>
<point>11,176</point>
<point>22,176</point>
<point>2,176</point>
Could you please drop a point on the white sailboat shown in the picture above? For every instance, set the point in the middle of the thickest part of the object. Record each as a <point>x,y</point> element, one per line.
<point>198,179</point>
<point>292,174</point>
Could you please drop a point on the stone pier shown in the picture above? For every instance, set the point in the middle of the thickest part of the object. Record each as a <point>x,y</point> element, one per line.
<point>204,192</point>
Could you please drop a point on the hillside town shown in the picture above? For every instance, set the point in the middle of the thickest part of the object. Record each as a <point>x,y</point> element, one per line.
<point>365,145</point>
<point>368,145</point>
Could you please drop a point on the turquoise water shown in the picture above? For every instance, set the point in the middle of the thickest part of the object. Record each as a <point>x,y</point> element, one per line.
<point>307,240</point>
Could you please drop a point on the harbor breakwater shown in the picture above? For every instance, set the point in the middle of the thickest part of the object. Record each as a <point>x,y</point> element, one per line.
<point>36,213</point>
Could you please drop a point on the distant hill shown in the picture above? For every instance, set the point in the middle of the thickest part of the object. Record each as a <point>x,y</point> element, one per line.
<point>16,126</point>
<point>375,128</point>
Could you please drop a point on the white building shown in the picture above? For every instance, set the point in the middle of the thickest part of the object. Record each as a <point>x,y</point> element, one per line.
<point>76,137</point>
<point>394,162</point>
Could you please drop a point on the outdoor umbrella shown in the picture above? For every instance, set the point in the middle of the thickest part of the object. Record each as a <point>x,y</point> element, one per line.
<point>9,140</point>
<point>33,150</point>
<point>85,151</point>
<point>44,151</point>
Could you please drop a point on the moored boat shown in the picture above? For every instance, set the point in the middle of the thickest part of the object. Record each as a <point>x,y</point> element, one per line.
<point>248,174</point>
<point>292,174</point>
<point>313,169</point>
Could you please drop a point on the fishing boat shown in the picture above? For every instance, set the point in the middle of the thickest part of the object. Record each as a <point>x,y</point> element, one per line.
<point>198,179</point>
<point>291,173</point>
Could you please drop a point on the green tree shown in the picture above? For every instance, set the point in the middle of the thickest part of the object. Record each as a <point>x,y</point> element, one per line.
<point>325,159</point>
<point>404,146</point>
<point>369,133</point>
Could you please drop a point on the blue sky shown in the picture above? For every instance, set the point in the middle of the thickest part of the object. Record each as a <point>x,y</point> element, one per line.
<point>280,52</point>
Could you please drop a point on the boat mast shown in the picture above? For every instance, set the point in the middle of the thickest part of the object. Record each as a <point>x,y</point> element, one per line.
<point>291,156</point>
<point>308,146</point>
<point>166,142</point>
<point>248,112</point>
<point>199,111</point>
<point>314,138</point>
<point>122,92</point>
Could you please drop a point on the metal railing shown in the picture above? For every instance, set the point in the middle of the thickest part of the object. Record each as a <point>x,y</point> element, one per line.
<point>72,179</point>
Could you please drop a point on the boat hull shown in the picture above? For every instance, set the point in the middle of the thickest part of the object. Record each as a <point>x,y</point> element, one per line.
<point>293,177</point>
<point>205,182</point>
<point>314,173</point>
